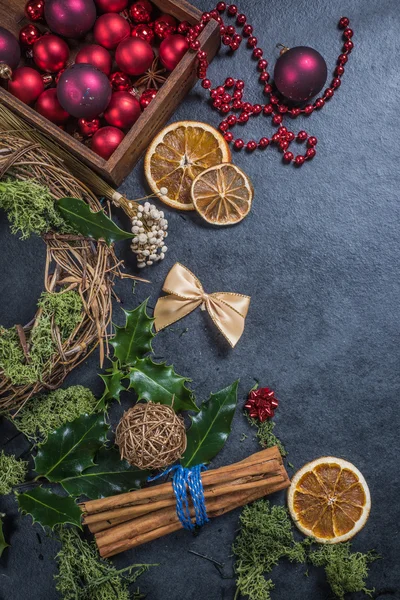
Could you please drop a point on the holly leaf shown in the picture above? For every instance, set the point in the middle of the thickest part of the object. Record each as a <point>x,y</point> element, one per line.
<point>70,449</point>
<point>97,225</point>
<point>134,340</point>
<point>113,386</point>
<point>159,383</point>
<point>108,477</point>
<point>211,427</point>
<point>48,508</point>
<point>3,543</point>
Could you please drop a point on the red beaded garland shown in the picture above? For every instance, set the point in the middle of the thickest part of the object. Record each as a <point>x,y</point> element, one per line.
<point>227,102</point>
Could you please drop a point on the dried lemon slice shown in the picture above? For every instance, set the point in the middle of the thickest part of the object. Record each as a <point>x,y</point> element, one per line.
<point>222,195</point>
<point>177,155</point>
<point>329,500</point>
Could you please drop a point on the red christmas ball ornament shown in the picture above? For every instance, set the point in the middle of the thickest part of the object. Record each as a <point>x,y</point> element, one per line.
<point>144,32</point>
<point>34,10</point>
<point>140,12</point>
<point>123,110</point>
<point>172,49</point>
<point>110,29</point>
<point>10,53</point>
<point>120,82</point>
<point>169,19</point>
<point>88,127</point>
<point>50,53</point>
<point>134,56</point>
<point>106,140</point>
<point>48,106</point>
<point>26,85</point>
<point>84,91</point>
<point>70,18</point>
<point>97,56</point>
<point>184,27</point>
<point>29,34</point>
<point>261,404</point>
<point>146,97</point>
<point>111,6</point>
<point>300,73</point>
<point>162,30</point>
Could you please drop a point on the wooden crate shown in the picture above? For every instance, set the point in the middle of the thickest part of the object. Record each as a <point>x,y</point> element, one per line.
<point>151,120</point>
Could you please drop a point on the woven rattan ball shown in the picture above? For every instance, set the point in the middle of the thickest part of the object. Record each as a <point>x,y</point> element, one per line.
<point>151,436</point>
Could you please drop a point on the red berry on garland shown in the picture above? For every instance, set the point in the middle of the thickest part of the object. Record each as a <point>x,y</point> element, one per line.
<point>29,34</point>
<point>120,81</point>
<point>146,97</point>
<point>172,49</point>
<point>70,18</point>
<point>111,6</point>
<point>95,55</point>
<point>88,127</point>
<point>106,140</point>
<point>261,404</point>
<point>122,111</point>
<point>10,53</point>
<point>84,91</point>
<point>26,85</point>
<point>300,73</point>
<point>110,29</point>
<point>34,10</point>
<point>144,32</point>
<point>140,12</point>
<point>50,53</point>
<point>134,56</point>
<point>48,106</point>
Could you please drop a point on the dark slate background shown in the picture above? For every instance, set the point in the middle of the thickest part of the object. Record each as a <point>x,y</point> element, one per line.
<point>319,255</point>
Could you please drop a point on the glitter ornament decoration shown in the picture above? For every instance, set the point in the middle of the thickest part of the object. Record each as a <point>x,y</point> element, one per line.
<point>84,91</point>
<point>48,106</point>
<point>261,404</point>
<point>106,140</point>
<point>111,6</point>
<point>95,55</point>
<point>300,73</point>
<point>26,85</point>
<point>164,26</point>
<point>140,12</point>
<point>70,18</point>
<point>10,52</point>
<point>34,10</point>
<point>123,110</point>
<point>88,127</point>
<point>144,32</point>
<point>50,53</point>
<point>146,97</point>
<point>110,29</point>
<point>29,34</point>
<point>172,49</point>
<point>134,56</point>
<point>120,82</point>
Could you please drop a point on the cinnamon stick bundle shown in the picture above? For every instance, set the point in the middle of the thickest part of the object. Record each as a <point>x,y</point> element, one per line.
<point>129,520</point>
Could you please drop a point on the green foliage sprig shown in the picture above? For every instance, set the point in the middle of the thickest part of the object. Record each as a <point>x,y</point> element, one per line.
<point>12,472</point>
<point>30,208</point>
<point>265,434</point>
<point>3,543</point>
<point>82,575</point>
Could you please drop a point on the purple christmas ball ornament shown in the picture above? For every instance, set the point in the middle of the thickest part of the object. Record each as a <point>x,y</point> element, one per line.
<point>10,52</point>
<point>84,91</point>
<point>300,73</point>
<point>70,18</point>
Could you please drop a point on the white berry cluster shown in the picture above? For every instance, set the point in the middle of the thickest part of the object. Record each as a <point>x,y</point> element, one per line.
<point>150,229</point>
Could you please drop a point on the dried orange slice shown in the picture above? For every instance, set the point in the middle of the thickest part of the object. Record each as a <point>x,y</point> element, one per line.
<point>329,500</point>
<point>177,155</point>
<point>222,195</point>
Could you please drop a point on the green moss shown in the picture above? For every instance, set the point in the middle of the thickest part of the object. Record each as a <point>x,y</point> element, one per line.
<point>30,208</point>
<point>66,310</point>
<point>82,575</point>
<point>265,435</point>
<point>12,472</point>
<point>265,537</point>
<point>44,414</point>
<point>346,571</point>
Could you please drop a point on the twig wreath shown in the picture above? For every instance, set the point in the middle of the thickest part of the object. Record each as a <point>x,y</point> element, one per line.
<point>75,310</point>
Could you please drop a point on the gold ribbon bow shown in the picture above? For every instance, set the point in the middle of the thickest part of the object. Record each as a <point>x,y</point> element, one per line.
<point>185,294</point>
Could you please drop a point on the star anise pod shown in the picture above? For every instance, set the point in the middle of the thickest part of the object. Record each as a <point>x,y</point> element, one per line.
<point>154,77</point>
